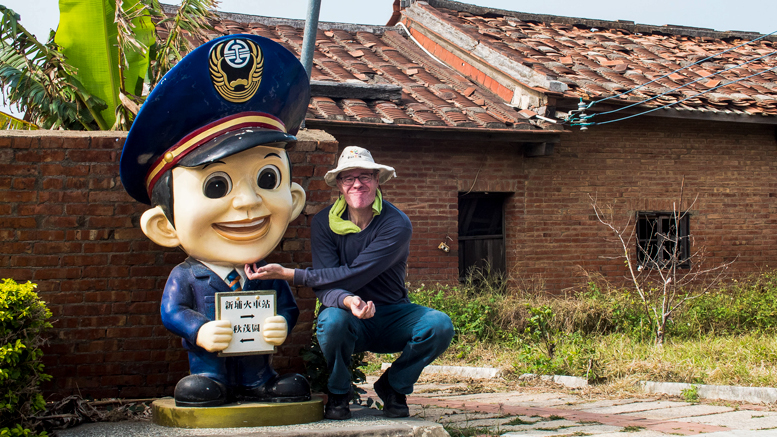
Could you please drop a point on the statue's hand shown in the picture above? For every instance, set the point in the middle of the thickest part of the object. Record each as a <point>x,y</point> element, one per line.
<point>275,330</point>
<point>214,336</point>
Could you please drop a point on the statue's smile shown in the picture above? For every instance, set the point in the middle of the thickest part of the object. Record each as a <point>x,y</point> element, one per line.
<point>243,230</point>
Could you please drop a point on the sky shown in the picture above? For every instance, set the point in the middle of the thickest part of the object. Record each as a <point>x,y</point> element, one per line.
<point>39,16</point>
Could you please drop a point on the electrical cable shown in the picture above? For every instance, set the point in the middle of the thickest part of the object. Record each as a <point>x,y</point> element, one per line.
<point>673,103</point>
<point>588,117</point>
<point>679,69</point>
<point>400,24</point>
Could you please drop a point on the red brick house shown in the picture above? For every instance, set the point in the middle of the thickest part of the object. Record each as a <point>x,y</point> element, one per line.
<point>485,165</point>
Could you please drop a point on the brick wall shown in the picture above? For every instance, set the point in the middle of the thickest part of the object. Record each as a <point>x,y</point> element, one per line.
<point>68,226</point>
<point>552,234</point>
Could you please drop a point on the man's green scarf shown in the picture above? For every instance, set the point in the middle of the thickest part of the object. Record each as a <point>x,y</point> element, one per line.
<point>339,225</point>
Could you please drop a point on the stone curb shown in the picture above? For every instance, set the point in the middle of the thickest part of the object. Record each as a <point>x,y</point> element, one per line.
<point>467,372</point>
<point>566,381</point>
<point>758,395</point>
<point>492,373</point>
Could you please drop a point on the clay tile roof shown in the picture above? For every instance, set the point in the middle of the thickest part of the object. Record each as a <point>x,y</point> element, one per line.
<point>597,59</point>
<point>357,56</point>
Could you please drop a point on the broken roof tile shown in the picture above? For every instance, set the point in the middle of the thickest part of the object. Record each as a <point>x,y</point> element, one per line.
<point>392,113</point>
<point>424,115</point>
<point>397,75</point>
<point>423,94</point>
<point>359,110</point>
<point>328,109</point>
<point>484,119</point>
<point>456,117</point>
<point>335,70</point>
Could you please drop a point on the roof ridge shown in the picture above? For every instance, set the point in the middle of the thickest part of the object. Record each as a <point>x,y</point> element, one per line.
<point>275,21</point>
<point>630,26</point>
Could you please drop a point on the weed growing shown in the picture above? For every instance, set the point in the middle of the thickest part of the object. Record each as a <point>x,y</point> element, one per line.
<point>725,336</point>
<point>691,394</point>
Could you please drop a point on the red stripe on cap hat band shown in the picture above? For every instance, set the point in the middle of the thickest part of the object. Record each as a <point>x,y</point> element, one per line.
<point>206,133</point>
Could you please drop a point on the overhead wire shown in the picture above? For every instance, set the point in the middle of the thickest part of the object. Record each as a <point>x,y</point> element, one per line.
<point>674,103</point>
<point>588,117</point>
<point>679,69</point>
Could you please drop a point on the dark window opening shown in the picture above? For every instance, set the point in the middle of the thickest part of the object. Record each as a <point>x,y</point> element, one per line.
<point>482,234</point>
<point>662,240</point>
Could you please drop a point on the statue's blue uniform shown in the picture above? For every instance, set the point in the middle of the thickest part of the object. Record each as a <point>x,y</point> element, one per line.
<point>189,302</point>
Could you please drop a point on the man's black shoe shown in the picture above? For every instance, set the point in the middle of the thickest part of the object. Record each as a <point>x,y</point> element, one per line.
<point>199,391</point>
<point>291,387</point>
<point>337,407</point>
<point>394,403</point>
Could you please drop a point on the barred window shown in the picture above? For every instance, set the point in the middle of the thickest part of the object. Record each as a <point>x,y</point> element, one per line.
<point>662,240</point>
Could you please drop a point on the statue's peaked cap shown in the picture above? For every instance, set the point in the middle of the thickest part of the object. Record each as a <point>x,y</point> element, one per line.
<point>227,95</point>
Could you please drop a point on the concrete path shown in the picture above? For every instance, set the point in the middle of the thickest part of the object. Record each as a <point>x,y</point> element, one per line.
<point>473,409</point>
<point>558,412</point>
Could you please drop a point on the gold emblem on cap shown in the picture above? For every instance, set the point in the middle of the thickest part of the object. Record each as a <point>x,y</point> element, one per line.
<point>236,67</point>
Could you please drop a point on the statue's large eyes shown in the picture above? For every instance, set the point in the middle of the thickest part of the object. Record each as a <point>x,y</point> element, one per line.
<point>269,177</point>
<point>217,185</point>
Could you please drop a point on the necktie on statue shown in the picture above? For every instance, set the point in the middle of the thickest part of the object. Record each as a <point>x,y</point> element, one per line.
<point>233,280</point>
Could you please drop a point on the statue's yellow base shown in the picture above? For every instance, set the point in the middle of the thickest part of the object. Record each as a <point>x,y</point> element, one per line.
<point>240,415</point>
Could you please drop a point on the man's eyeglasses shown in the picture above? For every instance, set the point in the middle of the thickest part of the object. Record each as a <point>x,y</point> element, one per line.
<point>349,180</point>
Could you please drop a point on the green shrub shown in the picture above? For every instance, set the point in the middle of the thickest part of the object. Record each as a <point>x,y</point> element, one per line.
<point>23,318</point>
<point>473,314</point>
<point>740,307</point>
<point>558,334</point>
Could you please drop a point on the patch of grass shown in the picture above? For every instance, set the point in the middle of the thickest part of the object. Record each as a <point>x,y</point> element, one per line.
<point>632,428</point>
<point>471,431</point>
<point>518,421</point>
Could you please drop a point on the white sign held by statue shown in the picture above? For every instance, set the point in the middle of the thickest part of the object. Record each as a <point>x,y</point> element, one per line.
<point>246,312</point>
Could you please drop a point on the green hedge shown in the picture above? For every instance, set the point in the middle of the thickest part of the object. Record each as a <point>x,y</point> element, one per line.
<point>23,319</point>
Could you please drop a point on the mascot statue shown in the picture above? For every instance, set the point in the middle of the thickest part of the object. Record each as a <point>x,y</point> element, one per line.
<point>207,152</point>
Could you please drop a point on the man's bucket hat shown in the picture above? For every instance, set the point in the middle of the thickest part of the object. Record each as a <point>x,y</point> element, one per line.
<point>357,157</point>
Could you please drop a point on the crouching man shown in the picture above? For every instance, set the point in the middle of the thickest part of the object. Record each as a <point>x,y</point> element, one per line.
<point>207,151</point>
<point>360,247</point>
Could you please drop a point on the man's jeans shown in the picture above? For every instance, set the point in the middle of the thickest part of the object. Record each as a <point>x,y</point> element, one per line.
<point>421,334</point>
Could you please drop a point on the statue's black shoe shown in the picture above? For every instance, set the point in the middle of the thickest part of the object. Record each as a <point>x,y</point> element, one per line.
<point>291,387</point>
<point>199,391</point>
<point>394,403</point>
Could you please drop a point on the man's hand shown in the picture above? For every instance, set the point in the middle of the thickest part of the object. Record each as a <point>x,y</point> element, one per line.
<point>270,271</point>
<point>214,336</point>
<point>274,330</point>
<point>359,308</point>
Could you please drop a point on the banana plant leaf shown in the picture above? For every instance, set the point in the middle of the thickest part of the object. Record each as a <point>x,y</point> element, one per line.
<point>8,121</point>
<point>89,38</point>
